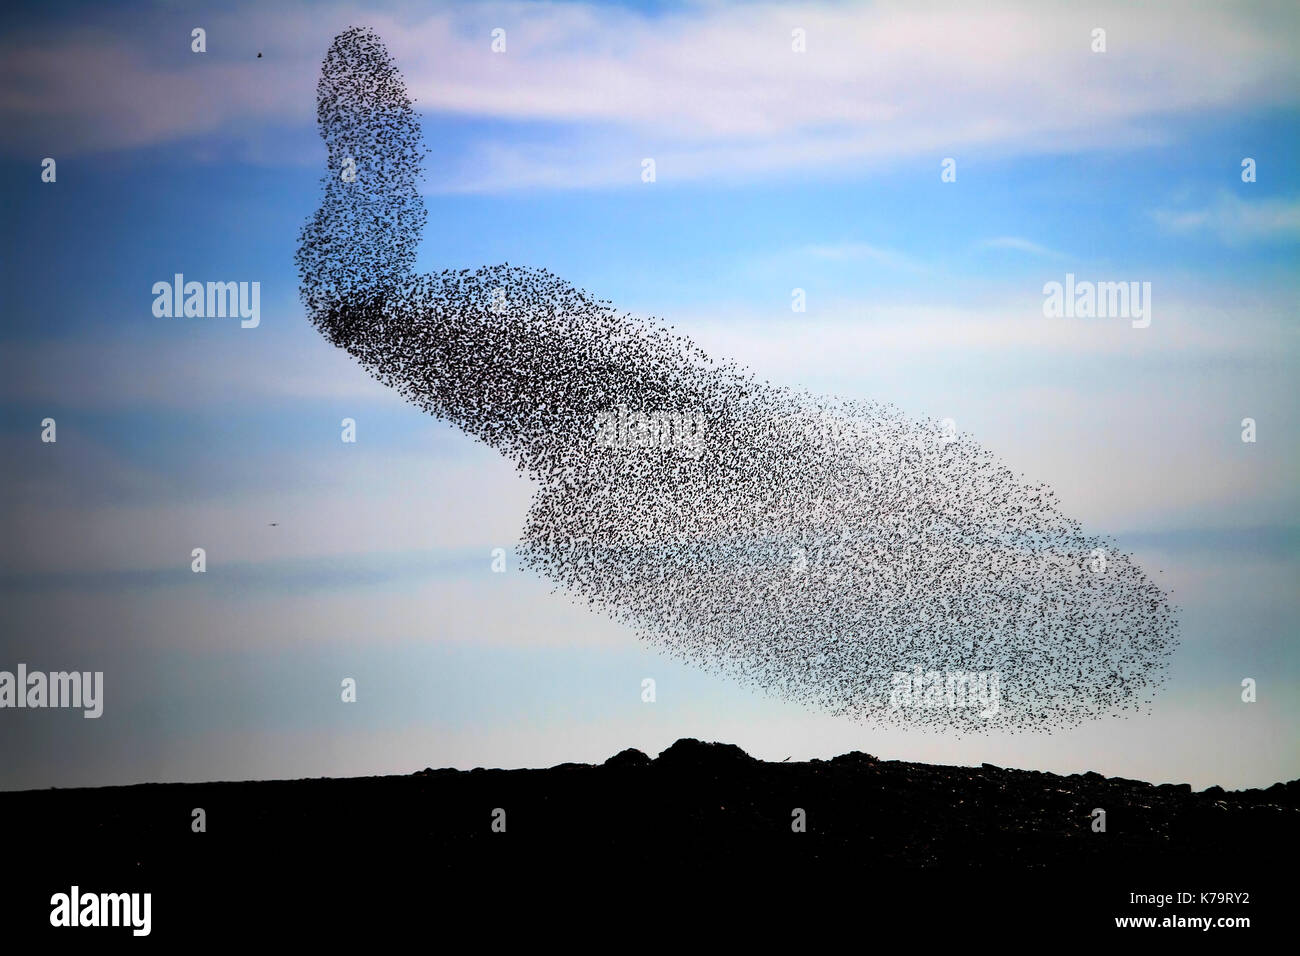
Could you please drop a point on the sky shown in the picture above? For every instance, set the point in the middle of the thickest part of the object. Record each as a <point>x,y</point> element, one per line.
<point>775,170</point>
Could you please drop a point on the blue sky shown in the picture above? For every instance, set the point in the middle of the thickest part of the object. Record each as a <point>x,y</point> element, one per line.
<point>775,171</point>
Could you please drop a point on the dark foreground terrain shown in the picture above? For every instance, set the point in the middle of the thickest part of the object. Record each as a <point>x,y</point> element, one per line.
<point>652,839</point>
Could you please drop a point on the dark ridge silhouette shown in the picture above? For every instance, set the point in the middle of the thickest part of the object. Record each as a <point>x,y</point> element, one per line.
<point>813,547</point>
<point>693,794</point>
<point>1017,845</point>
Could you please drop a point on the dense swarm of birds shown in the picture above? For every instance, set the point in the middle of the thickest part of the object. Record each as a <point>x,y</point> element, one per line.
<point>814,547</point>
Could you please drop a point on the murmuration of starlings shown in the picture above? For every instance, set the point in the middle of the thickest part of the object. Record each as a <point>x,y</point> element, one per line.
<point>810,546</point>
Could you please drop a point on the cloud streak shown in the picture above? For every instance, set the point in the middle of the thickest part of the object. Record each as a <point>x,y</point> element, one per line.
<point>1019,244</point>
<point>706,90</point>
<point>1233,220</point>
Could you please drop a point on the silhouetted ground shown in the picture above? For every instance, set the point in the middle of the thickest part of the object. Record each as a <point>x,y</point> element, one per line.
<point>698,824</point>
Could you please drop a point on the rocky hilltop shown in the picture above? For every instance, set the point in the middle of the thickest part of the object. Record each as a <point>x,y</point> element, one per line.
<point>697,811</point>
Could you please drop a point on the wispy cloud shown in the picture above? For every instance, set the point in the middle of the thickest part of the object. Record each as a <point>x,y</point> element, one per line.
<point>184,372</point>
<point>1235,220</point>
<point>707,90</point>
<point>863,252</point>
<point>1018,244</point>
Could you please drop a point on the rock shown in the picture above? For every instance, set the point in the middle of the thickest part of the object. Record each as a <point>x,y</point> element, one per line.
<point>689,752</point>
<point>631,757</point>
<point>854,757</point>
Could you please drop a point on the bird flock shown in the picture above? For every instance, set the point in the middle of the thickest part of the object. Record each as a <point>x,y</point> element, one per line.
<point>813,547</point>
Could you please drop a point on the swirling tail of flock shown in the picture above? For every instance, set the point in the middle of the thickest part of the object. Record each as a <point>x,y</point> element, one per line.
<point>814,547</point>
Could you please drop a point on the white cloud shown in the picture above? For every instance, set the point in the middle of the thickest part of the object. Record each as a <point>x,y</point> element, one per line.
<point>864,252</point>
<point>708,90</point>
<point>1235,220</point>
<point>411,502</point>
<point>1019,244</point>
<point>187,370</point>
<point>835,336</point>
